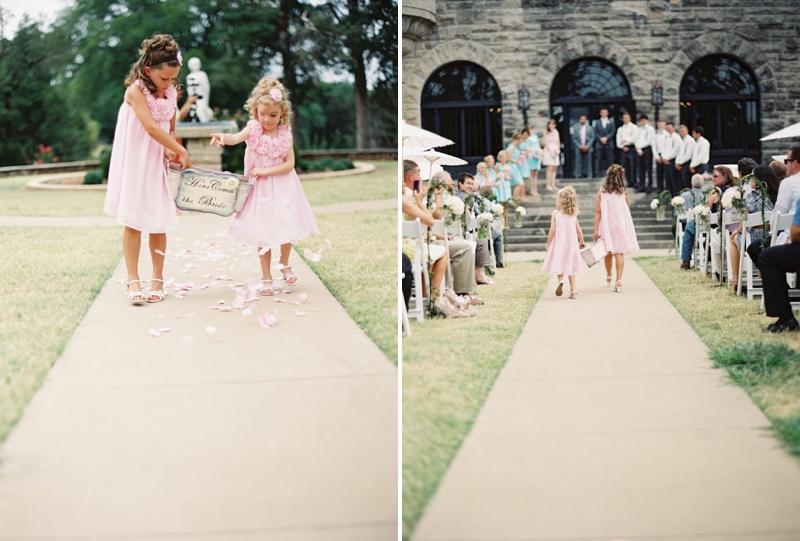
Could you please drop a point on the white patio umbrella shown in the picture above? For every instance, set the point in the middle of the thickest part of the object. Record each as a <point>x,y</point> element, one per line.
<point>786,133</point>
<point>414,137</point>
<point>430,161</point>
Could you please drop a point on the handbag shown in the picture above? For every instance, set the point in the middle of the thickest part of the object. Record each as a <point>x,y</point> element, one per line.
<point>594,253</point>
<point>206,190</point>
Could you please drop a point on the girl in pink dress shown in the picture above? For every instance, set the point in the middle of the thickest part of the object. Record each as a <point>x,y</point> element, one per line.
<point>613,223</point>
<point>276,213</point>
<point>565,241</point>
<point>550,158</point>
<point>138,187</point>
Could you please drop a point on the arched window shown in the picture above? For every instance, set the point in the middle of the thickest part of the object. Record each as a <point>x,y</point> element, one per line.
<point>583,87</point>
<point>461,101</point>
<point>721,94</point>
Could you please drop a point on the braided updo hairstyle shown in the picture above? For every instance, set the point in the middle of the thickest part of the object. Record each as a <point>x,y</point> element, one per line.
<point>261,95</point>
<point>155,52</point>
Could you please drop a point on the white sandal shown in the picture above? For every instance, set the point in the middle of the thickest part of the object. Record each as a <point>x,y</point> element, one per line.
<point>159,293</point>
<point>573,295</point>
<point>608,281</point>
<point>618,286</point>
<point>133,294</point>
<point>560,288</point>
<point>267,287</point>
<point>289,276</point>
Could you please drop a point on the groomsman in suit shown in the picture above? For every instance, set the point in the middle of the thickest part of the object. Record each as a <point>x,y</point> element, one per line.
<point>701,153</point>
<point>658,146</point>
<point>604,131</point>
<point>668,150</point>
<point>645,138</point>
<point>626,137</point>
<point>582,143</point>
<point>684,157</point>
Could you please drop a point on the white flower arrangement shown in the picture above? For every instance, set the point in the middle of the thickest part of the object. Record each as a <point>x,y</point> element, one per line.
<point>701,210</point>
<point>497,208</point>
<point>485,217</point>
<point>654,204</point>
<point>522,211</point>
<point>677,201</point>
<point>456,206</point>
<point>728,197</point>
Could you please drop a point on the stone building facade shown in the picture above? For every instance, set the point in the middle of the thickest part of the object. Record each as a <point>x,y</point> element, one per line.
<point>540,44</point>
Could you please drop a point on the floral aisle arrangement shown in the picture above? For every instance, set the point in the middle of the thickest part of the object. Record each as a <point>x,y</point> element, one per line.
<point>733,200</point>
<point>484,219</point>
<point>678,204</point>
<point>519,213</point>
<point>455,210</point>
<point>659,205</point>
<point>701,215</point>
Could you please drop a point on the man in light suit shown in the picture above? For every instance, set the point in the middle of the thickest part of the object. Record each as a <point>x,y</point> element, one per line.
<point>604,131</point>
<point>700,154</point>
<point>684,158</point>
<point>582,144</point>
<point>626,136</point>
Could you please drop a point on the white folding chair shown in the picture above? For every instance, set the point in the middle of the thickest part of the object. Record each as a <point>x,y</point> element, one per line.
<point>704,246</point>
<point>406,323</point>
<point>439,228</point>
<point>745,263</point>
<point>416,309</point>
<point>679,229</point>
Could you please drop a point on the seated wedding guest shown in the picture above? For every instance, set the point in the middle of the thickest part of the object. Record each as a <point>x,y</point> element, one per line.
<point>414,206</point>
<point>754,200</point>
<point>692,199</point>
<point>779,168</point>
<point>774,263</point>
<point>497,234</point>
<point>722,177</point>
<point>482,253</point>
<point>482,178</point>
<point>788,195</point>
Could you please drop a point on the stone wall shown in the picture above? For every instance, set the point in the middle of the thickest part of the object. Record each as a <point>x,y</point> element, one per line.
<point>528,41</point>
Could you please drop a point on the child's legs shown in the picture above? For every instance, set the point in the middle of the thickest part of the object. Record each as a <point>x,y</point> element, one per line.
<point>131,245</point>
<point>158,241</point>
<point>571,283</point>
<point>620,263</point>
<point>608,261</point>
<point>266,262</point>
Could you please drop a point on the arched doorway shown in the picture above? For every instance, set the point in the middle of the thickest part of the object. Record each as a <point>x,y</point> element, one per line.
<point>583,87</point>
<point>461,101</point>
<point>720,94</point>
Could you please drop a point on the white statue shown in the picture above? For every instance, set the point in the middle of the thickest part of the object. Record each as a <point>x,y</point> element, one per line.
<point>197,85</point>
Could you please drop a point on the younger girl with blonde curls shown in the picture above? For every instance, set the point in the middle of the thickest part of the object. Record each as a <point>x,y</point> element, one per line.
<point>613,223</point>
<point>276,213</point>
<point>565,241</point>
<point>138,194</point>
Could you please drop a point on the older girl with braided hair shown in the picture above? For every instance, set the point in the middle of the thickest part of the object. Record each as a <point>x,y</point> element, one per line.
<point>138,193</point>
<point>276,213</point>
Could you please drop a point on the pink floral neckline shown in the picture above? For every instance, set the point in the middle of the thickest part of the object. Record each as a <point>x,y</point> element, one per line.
<point>162,109</point>
<point>273,147</point>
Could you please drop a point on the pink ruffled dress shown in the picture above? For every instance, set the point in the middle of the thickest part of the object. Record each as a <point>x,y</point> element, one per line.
<point>138,193</point>
<point>276,211</point>
<point>564,255</point>
<point>616,224</point>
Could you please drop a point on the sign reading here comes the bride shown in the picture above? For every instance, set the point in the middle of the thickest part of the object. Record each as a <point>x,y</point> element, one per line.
<point>206,191</point>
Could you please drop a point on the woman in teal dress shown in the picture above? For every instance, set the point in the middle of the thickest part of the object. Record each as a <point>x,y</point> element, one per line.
<point>503,174</point>
<point>534,163</point>
<point>524,167</point>
<point>514,159</point>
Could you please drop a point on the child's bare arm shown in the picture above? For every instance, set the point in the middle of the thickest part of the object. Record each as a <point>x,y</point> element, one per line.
<point>552,232</point>
<point>222,139</point>
<point>136,99</point>
<point>580,234</point>
<point>285,167</point>
<point>596,234</point>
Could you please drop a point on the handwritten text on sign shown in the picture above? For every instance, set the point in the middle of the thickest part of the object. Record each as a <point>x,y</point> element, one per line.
<point>207,192</point>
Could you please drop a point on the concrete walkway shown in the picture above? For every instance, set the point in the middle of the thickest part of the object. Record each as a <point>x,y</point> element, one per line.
<point>108,221</point>
<point>287,433</point>
<point>607,423</point>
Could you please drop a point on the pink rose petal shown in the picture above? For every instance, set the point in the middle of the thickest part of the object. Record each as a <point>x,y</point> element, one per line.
<point>225,309</point>
<point>267,320</point>
<point>299,313</point>
<point>247,312</point>
<point>164,329</point>
<point>303,296</point>
<point>221,302</point>
<point>238,303</point>
<point>210,329</point>
<point>280,300</point>
<point>311,256</point>
<point>155,333</point>
<point>294,302</point>
<point>286,292</point>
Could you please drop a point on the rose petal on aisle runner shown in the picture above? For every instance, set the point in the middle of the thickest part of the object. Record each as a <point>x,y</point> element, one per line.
<point>294,302</point>
<point>155,333</point>
<point>247,311</point>
<point>303,296</point>
<point>311,256</point>
<point>164,329</point>
<point>299,313</point>
<point>280,300</point>
<point>210,329</point>
<point>268,320</point>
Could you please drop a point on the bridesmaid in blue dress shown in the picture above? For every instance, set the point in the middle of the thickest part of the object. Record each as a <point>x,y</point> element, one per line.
<point>503,170</point>
<point>515,159</point>
<point>534,163</point>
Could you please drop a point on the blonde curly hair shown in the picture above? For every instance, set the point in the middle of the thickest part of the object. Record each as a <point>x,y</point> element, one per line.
<point>569,201</point>
<point>615,180</point>
<point>261,96</point>
<point>155,52</point>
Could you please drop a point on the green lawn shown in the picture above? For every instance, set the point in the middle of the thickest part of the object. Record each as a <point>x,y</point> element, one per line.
<point>449,367</point>
<point>767,366</point>
<point>380,184</point>
<point>361,270</point>
<point>48,279</point>
<point>16,200</point>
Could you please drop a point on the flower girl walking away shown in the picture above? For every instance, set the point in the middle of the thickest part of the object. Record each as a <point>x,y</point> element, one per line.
<point>613,223</point>
<point>565,241</point>
<point>276,214</point>
<point>138,193</point>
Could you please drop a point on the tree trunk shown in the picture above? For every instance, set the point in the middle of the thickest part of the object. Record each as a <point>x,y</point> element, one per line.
<point>363,121</point>
<point>289,75</point>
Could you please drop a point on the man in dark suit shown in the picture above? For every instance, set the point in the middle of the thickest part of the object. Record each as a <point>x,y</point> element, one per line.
<point>604,131</point>
<point>582,144</point>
